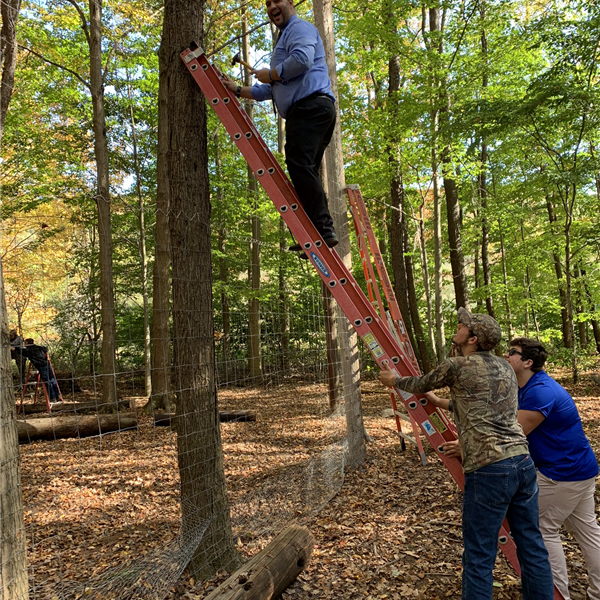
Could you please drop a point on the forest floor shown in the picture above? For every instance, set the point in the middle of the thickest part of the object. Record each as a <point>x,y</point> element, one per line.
<point>392,531</point>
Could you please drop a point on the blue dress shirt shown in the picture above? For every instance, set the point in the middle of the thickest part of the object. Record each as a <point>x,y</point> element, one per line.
<point>299,59</point>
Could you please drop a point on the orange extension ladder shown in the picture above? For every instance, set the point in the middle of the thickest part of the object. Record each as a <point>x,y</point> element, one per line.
<point>369,249</point>
<point>351,299</point>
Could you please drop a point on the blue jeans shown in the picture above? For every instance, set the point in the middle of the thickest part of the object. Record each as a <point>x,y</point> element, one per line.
<point>47,377</point>
<point>507,488</point>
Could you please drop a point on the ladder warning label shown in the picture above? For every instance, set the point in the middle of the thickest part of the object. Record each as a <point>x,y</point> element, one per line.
<point>373,344</point>
<point>319,264</point>
<point>428,427</point>
<point>438,423</point>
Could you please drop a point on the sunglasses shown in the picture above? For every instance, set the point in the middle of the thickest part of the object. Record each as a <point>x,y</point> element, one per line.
<point>513,351</point>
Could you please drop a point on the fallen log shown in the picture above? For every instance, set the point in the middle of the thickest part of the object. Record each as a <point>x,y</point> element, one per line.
<point>165,419</point>
<point>63,407</point>
<point>52,428</point>
<point>266,575</point>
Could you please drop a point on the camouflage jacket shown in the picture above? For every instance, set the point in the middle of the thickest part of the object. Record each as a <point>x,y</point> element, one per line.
<point>483,391</point>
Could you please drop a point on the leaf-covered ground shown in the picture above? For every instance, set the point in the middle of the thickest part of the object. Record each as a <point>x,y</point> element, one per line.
<point>392,531</point>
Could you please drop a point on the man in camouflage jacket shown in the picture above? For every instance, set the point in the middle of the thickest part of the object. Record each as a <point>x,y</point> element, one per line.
<point>500,477</point>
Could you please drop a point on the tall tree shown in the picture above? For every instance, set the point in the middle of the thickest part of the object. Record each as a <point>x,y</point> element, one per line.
<point>254,341</point>
<point>8,57</point>
<point>13,566</point>
<point>336,184</point>
<point>200,453</point>
<point>93,34</point>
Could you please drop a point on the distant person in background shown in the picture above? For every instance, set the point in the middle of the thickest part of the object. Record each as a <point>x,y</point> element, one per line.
<point>567,467</point>
<point>16,353</point>
<point>38,357</point>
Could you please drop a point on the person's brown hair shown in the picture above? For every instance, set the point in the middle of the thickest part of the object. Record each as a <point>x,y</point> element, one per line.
<point>531,350</point>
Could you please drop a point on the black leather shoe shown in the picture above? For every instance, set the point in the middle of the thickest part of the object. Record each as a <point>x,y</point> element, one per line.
<point>332,241</point>
<point>295,248</point>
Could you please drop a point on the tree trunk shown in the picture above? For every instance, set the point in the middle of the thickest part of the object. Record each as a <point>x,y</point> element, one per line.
<point>200,454</point>
<point>505,281</point>
<point>107,298</point>
<point>223,270</point>
<point>284,303</point>
<point>440,342</point>
<point>401,258</point>
<point>425,270</point>
<point>13,576</point>
<point>422,351</point>
<point>397,251</point>
<point>568,276</point>
<point>339,211</point>
<point>457,260</point>
<point>57,428</point>
<point>8,55</point>
<point>334,378</point>
<point>567,338</point>
<point>254,347</point>
<point>592,309</point>
<point>270,572</point>
<point>143,254</point>
<point>485,233</point>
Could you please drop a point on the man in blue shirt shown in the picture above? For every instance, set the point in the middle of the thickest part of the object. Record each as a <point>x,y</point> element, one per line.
<point>298,82</point>
<point>567,467</point>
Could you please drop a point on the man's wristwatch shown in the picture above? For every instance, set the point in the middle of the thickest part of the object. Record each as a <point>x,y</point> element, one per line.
<point>238,92</point>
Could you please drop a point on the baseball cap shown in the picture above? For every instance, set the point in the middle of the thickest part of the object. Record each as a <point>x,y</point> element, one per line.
<point>486,328</point>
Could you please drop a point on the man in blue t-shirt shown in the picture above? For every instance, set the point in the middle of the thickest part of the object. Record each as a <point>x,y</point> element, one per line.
<point>298,82</point>
<point>567,467</point>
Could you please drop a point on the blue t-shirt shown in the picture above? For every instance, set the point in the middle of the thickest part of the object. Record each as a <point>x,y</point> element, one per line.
<point>558,444</point>
<point>299,59</point>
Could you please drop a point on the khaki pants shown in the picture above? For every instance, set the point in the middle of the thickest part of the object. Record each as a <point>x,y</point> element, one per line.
<point>570,503</point>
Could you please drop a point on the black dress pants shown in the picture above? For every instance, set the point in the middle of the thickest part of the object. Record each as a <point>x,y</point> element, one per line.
<point>309,127</point>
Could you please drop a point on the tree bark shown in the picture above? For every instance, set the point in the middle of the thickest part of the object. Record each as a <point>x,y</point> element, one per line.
<point>143,253</point>
<point>485,234</point>
<point>425,270</point>
<point>505,281</point>
<point>592,309</point>
<point>103,203</point>
<point>567,338</point>
<point>254,346</point>
<point>440,342</point>
<point>339,211</point>
<point>200,453</point>
<point>223,270</point>
<point>8,55</point>
<point>161,398</point>
<point>56,428</point>
<point>401,261</point>
<point>269,573</point>
<point>453,216</point>
<point>13,576</point>
<point>334,378</point>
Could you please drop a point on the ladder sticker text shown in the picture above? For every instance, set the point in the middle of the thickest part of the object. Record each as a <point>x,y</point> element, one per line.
<point>438,423</point>
<point>319,264</point>
<point>374,346</point>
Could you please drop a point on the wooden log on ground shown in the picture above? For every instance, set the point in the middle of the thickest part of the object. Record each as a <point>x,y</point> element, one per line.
<point>266,575</point>
<point>52,428</point>
<point>64,407</point>
<point>165,419</point>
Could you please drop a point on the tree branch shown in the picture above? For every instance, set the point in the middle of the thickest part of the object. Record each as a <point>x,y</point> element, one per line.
<point>62,67</point>
<point>84,24</point>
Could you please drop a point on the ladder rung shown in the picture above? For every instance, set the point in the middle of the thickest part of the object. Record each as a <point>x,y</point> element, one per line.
<point>402,416</point>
